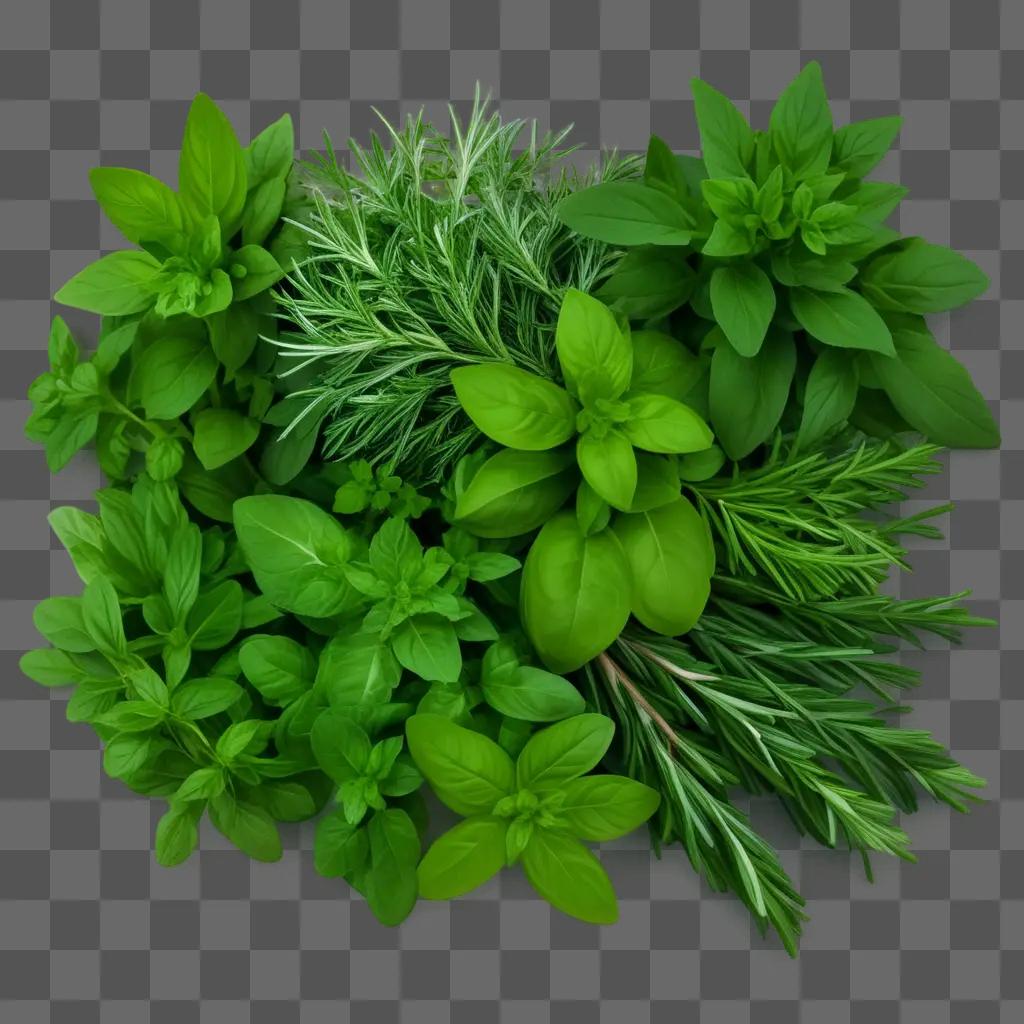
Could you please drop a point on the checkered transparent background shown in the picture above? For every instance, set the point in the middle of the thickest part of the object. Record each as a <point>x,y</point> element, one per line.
<point>91,930</point>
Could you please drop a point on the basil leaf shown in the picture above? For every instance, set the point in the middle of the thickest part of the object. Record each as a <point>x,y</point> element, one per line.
<point>858,147</point>
<point>211,167</point>
<point>671,560</point>
<point>342,748</point>
<point>233,334</point>
<point>515,408</point>
<point>569,877</point>
<point>657,483</point>
<point>743,301</point>
<point>660,424</point>
<point>591,345</point>
<point>340,849</point>
<point>262,211</point>
<point>50,667</point>
<point>140,206</point>
<point>254,270</point>
<point>592,511</point>
<point>220,435</point>
<point>281,669</point>
<point>297,552</point>
<point>626,213</point>
<point>390,882</point>
<point>427,646</point>
<point>829,395</point>
<point>648,282</point>
<point>698,466</point>
<point>463,858</point>
<point>604,807</point>
<point>357,668</point>
<point>747,396</point>
<point>841,318</point>
<point>250,828</point>
<point>608,465</point>
<point>60,620</point>
<point>726,139</point>
<point>101,616</point>
<point>563,751</point>
<point>801,124</point>
<point>933,392</point>
<point>531,694</point>
<point>662,365</point>
<point>118,284</point>
<point>171,375</point>
<point>204,698</point>
<point>216,616</point>
<point>468,772</point>
<point>181,574</point>
<point>271,153</point>
<point>922,278</point>
<point>177,835</point>
<point>575,593</point>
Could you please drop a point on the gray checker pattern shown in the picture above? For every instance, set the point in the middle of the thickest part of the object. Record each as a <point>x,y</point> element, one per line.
<point>92,930</point>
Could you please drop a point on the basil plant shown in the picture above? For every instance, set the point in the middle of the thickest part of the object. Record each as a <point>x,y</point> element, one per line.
<point>617,438</point>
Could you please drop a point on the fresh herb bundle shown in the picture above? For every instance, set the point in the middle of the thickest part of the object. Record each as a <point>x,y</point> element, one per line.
<point>515,474</point>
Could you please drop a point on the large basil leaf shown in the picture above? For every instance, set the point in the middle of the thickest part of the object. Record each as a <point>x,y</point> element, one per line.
<point>660,424</point>
<point>801,124</point>
<point>841,318</point>
<point>356,669</point>
<point>172,374</point>
<point>727,141</point>
<point>604,807</point>
<point>592,347</point>
<point>390,883</point>
<point>608,465</point>
<point>627,213</point>
<point>743,301</point>
<point>515,408</point>
<point>857,147</point>
<point>279,667</point>
<point>648,282</point>
<point>297,552</point>
<point>569,877</point>
<point>829,395</point>
<point>463,858</point>
<point>663,366</point>
<point>671,560</point>
<point>575,593</point>
<point>119,284</point>
<point>140,206</point>
<point>563,751</point>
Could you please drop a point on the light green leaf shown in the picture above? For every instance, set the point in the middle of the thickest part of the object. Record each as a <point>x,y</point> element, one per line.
<point>604,807</point>
<point>463,858</point>
<point>220,435</point>
<point>427,646</point>
<point>250,828</point>
<point>592,347</point>
<point>253,270</point>
<point>608,465</point>
<point>531,694</point>
<point>204,698</point>
<point>563,751</point>
<point>355,669</point>
<point>118,284</point>
<point>140,206</point>
<point>660,424</point>
<point>570,877</point>
<point>270,155</point>
<point>801,124</point>
<point>515,408</point>
<point>211,166</point>
<point>281,669</point>
<point>662,365</point>
<point>341,849</point>
<point>172,374</point>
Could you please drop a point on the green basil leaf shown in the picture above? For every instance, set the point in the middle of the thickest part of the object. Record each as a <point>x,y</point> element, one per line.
<point>358,668</point>
<point>657,483</point>
<point>747,396</point>
<point>660,424</point>
<point>463,858</point>
<point>726,241</point>
<point>841,318</point>
<point>533,695</point>
<point>297,552</point>
<point>933,392</point>
<point>662,365</point>
<point>626,213</point>
<point>83,537</point>
<point>671,559</point>
<point>284,457</point>
<point>250,828</point>
<point>172,375</point>
<point>204,698</point>
<point>61,621</point>
<point>726,139</point>
<point>279,667</point>
<point>181,573</point>
<point>922,278</point>
<point>801,124</point>
<point>663,170</point>
<point>271,153</point>
<point>698,466</point>
<point>262,211</point>
<point>124,755</point>
<point>101,616</point>
<point>202,784</point>
<point>795,266</point>
<point>177,835</point>
<point>591,345</point>
<point>743,301</point>
<point>569,877</point>
<point>390,882</point>
<point>608,466</point>
<point>340,849</point>
<point>233,334</point>
<point>648,282</point>
<point>427,646</point>
<point>211,166</point>
<point>515,408</point>
<point>118,284</point>
<point>220,435</point>
<point>140,206</point>
<point>575,593</point>
<point>515,492</point>
<point>604,807</point>
<point>858,147</point>
<point>50,667</point>
<point>563,751</point>
<point>592,511</point>
<point>216,616</point>
<point>342,748</point>
<point>164,458</point>
<point>467,771</point>
<point>253,270</point>
<point>873,201</point>
<point>829,395</point>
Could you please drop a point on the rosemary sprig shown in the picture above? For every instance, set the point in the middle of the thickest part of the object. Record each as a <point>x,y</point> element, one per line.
<point>443,251</point>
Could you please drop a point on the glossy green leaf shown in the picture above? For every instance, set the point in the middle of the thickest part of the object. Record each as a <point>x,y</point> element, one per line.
<point>743,301</point>
<point>608,466</point>
<point>626,213</point>
<point>563,751</point>
<point>591,346</point>
<point>801,124</point>
<point>118,284</point>
<point>829,395</point>
<point>922,278</point>
<point>463,858</point>
<point>841,318</point>
<point>570,877</point>
<point>727,141</point>
<point>605,807</point>
<point>660,424</point>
